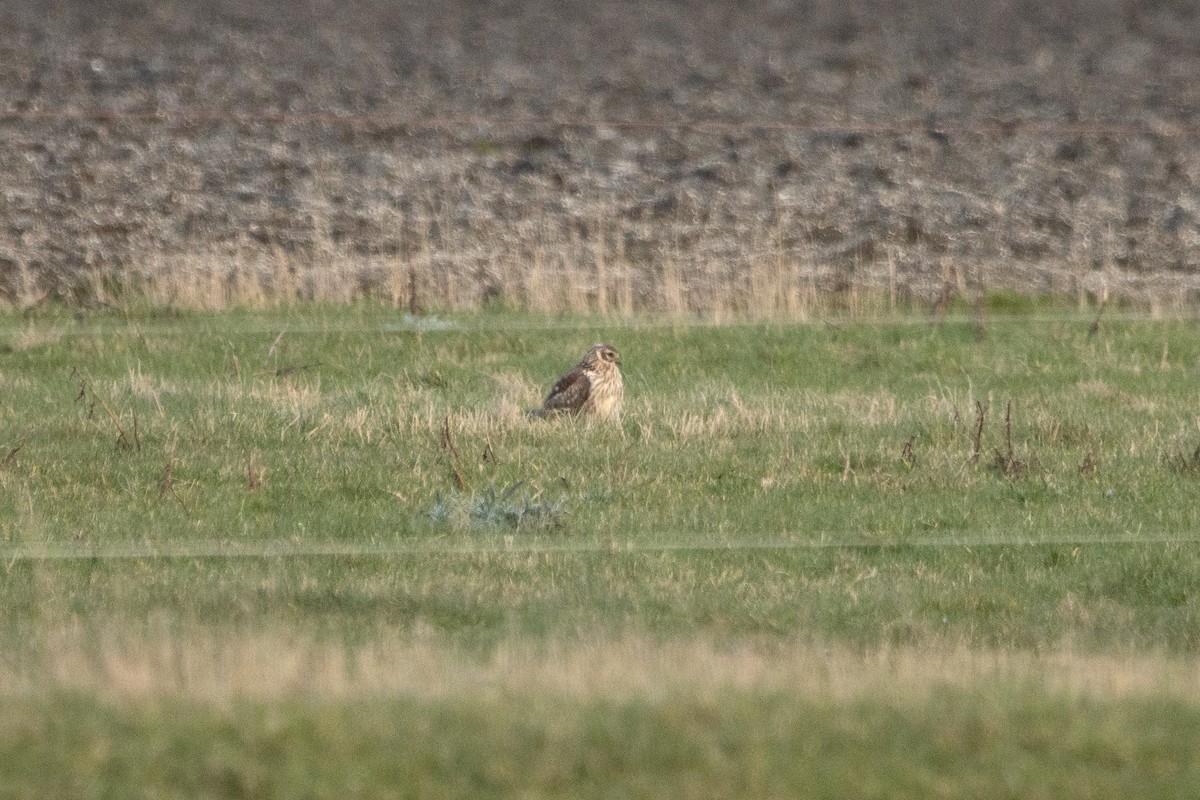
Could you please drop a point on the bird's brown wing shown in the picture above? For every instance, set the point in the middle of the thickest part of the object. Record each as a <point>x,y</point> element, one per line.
<point>569,393</point>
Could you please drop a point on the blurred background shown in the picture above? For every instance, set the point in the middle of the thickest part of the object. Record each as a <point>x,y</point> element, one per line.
<point>723,158</point>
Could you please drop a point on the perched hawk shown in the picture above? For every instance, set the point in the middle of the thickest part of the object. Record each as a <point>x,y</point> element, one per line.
<point>593,387</point>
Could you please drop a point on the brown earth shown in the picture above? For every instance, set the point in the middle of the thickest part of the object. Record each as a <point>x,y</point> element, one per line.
<point>713,157</point>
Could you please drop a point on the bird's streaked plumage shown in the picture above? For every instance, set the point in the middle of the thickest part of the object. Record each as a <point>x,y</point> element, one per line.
<point>593,387</point>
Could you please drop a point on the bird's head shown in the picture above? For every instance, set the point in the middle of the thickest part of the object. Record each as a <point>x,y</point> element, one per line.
<point>602,353</point>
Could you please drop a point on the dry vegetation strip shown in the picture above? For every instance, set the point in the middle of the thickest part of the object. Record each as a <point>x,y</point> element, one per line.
<point>207,157</point>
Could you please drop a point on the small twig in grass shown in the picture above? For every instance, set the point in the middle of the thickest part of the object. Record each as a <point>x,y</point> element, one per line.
<point>1008,429</point>
<point>283,372</point>
<point>448,446</point>
<point>83,396</point>
<point>167,482</point>
<point>166,485</point>
<point>1185,464</point>
<point>1006,463</point>
<point>255,474</point>
<point>123,440</point>
<point>447,439</point>
<point>12,454</point>
<point>979,416</point>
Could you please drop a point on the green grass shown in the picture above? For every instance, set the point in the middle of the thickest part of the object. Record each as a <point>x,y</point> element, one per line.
<point>736,744</point>
<point>323,551</point>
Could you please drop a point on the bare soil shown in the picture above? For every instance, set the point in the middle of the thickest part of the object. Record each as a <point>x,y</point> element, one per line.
<point>619,156</point>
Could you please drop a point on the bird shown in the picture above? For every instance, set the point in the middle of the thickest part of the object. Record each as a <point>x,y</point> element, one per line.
<point>593,387</point>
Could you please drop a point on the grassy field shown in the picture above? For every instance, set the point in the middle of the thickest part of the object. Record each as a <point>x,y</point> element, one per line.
<point>322,552</point>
